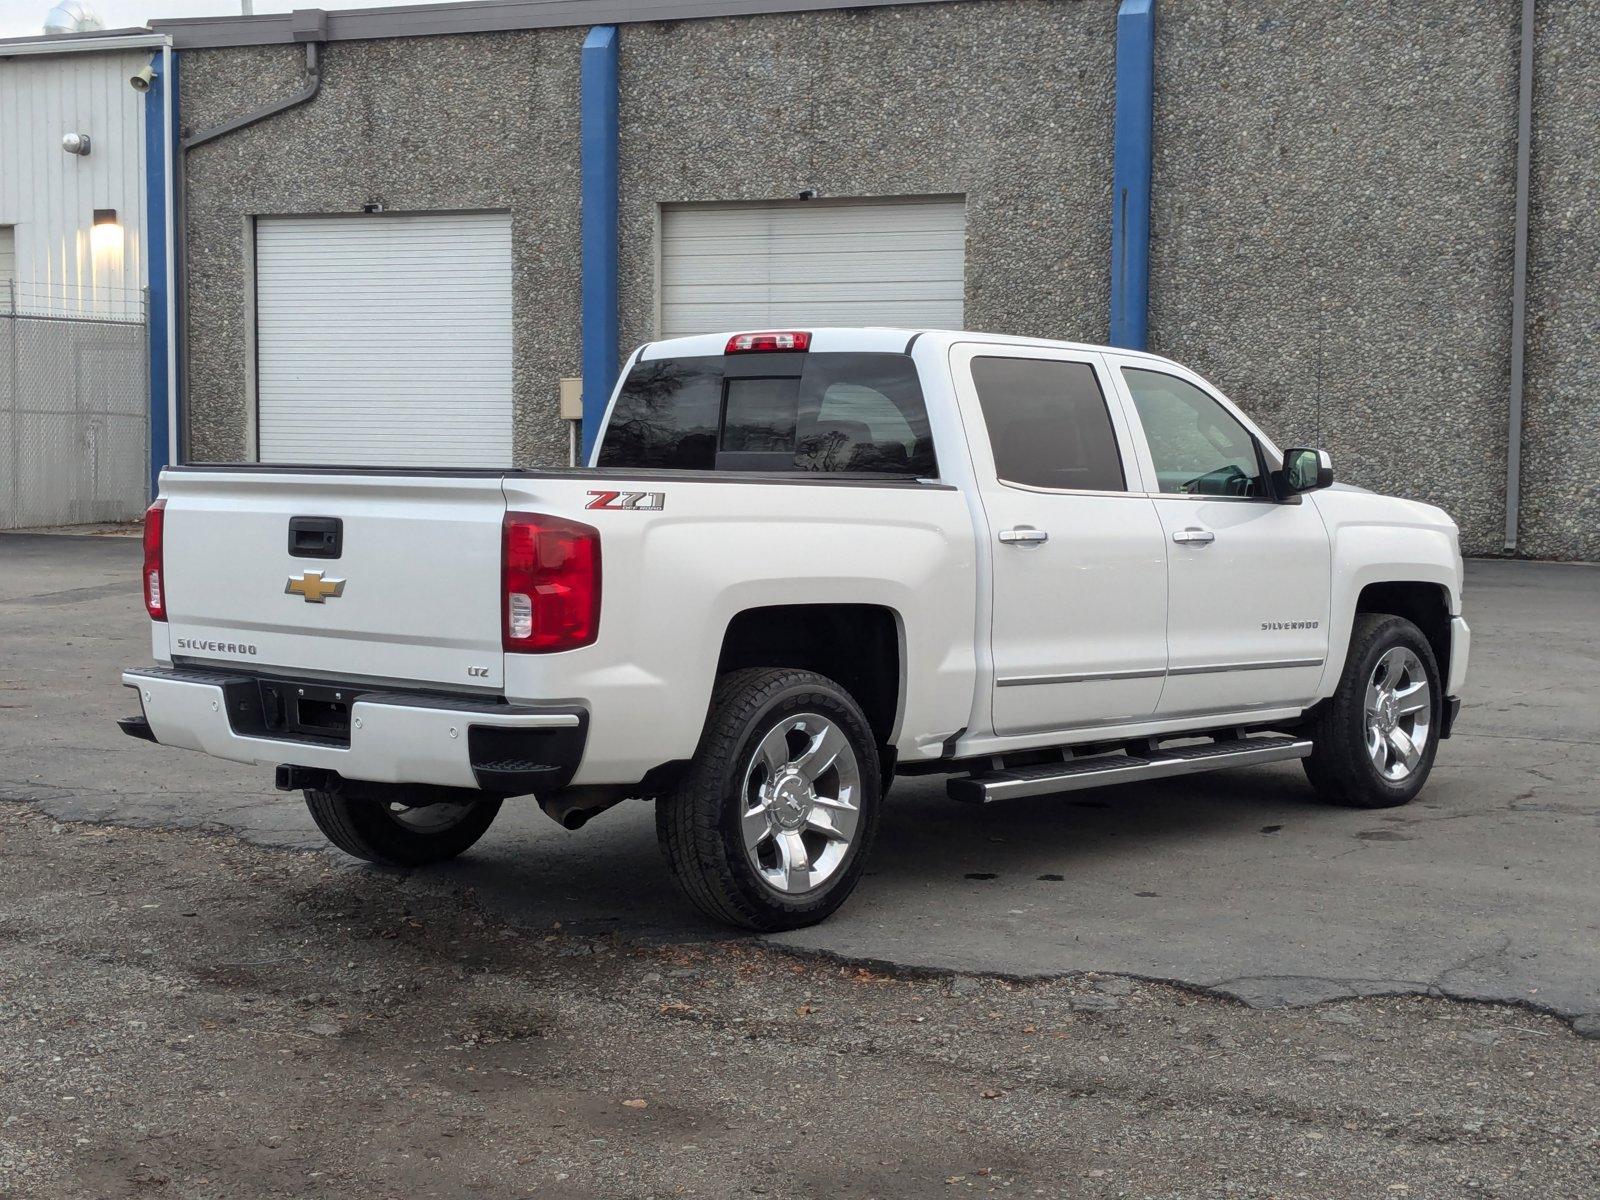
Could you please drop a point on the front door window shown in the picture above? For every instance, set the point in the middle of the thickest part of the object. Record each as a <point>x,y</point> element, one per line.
<point>1197,446</point>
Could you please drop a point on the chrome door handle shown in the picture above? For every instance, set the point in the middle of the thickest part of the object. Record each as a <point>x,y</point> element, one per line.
<point>1023,535</point>
<point>1193,536</point>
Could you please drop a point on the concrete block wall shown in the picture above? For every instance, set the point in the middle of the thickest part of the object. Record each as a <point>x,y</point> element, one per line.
<point>1008,104</point>
<point>1561,433</point>
<point>420,124</point>
<point>1333,204</point>
<point>1332,225</point>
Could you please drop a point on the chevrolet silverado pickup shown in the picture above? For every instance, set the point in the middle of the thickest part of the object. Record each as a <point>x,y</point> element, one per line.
<point>797,565</point>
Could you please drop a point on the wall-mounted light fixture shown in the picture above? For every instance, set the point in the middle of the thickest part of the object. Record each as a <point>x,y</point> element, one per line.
<point>75,143</point>
<point>105,235</point>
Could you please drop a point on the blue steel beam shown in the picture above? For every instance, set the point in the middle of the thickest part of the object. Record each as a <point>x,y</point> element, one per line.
<point>1130,173</point>
<point>155,235</point>
<point>598,165</point>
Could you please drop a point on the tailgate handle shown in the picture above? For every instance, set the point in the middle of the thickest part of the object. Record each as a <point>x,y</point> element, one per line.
<point>316,537</point>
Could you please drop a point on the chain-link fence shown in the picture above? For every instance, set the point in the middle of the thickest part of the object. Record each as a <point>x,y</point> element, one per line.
<point>74,412</point>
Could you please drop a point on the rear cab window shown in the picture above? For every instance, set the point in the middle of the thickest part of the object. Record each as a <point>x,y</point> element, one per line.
<point>847,413</point>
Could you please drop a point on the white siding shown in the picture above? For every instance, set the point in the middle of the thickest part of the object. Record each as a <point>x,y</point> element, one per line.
<point>384,340</point>
<point>50,195</point>
<point>800,263</point>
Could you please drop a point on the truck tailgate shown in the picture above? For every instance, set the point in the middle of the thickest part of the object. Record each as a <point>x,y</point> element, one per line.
<point>413,594</point>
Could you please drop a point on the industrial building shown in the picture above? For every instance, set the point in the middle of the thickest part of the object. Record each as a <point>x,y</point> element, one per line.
<point>1377,228</point>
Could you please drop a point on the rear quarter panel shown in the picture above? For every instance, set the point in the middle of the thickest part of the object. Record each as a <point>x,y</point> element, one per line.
<point>674,577</point>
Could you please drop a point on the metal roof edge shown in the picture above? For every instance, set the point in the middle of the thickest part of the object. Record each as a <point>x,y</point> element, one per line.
<point>103,41</point>
<point>484,16</point>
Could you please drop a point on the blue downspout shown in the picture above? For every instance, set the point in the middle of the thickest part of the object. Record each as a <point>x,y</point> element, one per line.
<point>155,241</point>
<point>597,112</point>
<point>1130,173</point>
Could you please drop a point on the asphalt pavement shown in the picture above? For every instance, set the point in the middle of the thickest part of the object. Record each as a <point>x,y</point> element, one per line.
<point>1239,883</point>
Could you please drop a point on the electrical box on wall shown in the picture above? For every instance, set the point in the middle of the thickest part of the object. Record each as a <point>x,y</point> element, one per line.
<point>572,399</point>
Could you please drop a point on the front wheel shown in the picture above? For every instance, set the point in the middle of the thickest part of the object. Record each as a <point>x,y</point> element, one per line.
<point>1374,740</point>
<point>400,825</point>
<point>770,825</point>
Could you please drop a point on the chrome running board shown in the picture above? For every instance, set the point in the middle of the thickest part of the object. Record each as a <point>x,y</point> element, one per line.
<point>1102,770</point>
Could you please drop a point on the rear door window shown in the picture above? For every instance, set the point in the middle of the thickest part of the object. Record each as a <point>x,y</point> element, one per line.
<point>828,412</point>
<point>1048,424</point>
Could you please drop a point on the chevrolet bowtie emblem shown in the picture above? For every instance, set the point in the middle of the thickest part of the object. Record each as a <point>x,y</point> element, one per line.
<point>313,587</point>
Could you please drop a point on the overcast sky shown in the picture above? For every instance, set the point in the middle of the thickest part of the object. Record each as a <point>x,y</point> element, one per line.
<point>23,18</point>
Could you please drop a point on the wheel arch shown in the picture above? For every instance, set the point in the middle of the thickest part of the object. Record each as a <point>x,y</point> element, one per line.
<point>1411,580</point>
<point>860,646</point>
<point>1425,604</point>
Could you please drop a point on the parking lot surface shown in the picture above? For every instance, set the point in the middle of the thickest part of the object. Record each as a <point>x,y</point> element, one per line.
<point>197,999</point>
<point>1485,888</point>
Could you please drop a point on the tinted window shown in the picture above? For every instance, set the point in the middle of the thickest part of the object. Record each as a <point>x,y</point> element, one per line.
<point>1048,424</point>
<point>864,412</point>
<point>666,416</point>
<point>842,412</point>
<point>1198,447</point>
<point>760,416</point>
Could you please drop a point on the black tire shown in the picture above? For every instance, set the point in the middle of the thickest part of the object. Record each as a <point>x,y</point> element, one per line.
<point>1340,767</point>
<point>698,822</point>
<point>365,820</point>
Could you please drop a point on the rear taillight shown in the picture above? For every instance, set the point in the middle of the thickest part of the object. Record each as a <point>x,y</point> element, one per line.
<point>756,343</point>
<point>155,587</point>
<point>550,583</point>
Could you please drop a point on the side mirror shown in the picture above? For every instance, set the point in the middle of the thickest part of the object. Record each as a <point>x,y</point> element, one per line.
<point>1306,470</point>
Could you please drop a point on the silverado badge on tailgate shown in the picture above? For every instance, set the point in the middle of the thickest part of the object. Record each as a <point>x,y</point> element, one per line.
<point>313,587</point>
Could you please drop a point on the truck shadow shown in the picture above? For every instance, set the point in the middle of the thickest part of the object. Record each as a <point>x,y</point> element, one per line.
<point>610,878</point>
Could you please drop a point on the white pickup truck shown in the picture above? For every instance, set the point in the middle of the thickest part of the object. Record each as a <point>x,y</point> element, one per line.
<point>799,564</point>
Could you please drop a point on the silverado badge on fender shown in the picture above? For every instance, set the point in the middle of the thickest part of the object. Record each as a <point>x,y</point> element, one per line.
<point>313,587</point>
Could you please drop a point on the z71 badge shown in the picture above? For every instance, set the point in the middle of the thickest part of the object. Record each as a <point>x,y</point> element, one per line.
<point>633,501</point>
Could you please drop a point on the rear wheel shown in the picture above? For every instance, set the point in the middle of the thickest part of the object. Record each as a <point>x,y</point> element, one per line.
<point>1374,740</point>
<point>400,825</point>
<point>769,827</point>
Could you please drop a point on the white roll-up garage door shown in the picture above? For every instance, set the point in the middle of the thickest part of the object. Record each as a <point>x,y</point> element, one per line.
<point>807,263</point>
<point>384,340</point>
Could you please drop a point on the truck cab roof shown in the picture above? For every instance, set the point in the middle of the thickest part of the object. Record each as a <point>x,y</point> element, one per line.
<point>870,339</point>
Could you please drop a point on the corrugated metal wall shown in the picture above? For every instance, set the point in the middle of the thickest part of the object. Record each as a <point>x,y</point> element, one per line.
<point>49,196</point>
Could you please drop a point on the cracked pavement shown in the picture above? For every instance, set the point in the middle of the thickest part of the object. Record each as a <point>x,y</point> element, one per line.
<point>185,1015</point>
<point>1236,883</point>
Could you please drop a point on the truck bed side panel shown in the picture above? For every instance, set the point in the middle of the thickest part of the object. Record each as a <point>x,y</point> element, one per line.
<point>675,577</point>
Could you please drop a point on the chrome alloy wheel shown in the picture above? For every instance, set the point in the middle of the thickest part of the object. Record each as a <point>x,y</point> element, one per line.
<point>427,818</point>
<point>1399,714</point>
<point>802,803</point>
